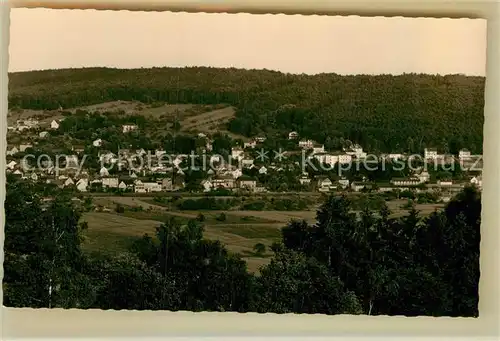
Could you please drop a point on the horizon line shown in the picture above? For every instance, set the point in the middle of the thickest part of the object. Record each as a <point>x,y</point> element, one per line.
<point>245,69</point>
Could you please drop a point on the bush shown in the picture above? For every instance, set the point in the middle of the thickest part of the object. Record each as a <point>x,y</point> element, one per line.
<point>200,217</point>
<point>259,248</point>
<point>119,208</point>
<point>221,217</point>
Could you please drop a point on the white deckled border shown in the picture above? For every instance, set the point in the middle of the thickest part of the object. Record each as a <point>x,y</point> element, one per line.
<point>45,323</point>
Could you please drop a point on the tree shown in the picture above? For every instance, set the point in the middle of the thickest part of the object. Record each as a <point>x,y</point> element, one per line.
<point>259,248</point>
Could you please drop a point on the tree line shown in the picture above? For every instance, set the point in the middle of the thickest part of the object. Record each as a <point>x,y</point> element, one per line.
<point>354,263</point>
<point>418,110</point>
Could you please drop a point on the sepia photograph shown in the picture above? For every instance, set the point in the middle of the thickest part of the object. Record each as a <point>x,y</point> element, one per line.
<point>244,163</point>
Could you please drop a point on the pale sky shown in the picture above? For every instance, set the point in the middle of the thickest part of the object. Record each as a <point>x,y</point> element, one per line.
<point>54,39</point>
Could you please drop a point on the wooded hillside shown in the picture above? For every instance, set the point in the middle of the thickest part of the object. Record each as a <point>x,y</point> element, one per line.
<point>383,113</point>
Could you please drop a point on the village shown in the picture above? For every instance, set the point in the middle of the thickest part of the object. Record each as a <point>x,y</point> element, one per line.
<point>153,171</point>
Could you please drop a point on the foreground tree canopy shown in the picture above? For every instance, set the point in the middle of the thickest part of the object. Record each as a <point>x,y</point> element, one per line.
<point>345,263</point>
<point>419,111</point>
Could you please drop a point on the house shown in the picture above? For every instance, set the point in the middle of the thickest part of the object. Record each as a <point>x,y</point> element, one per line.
<point>103,172</point>
<point>477,181</point>
<point>97,143</point>
<point>464,154</point>
<point>237,153</point>
<point>423,176</point>
<point>306,144</point>
<point>318,149</point>
<point>43,134</point>
<point>110,182</point>
<point>304,180</point>
<point>251,144</point>
<point>159,153</point>
<point>167,184</point>
<point>236,173</point>
<point>126,128</point>
<point>324,184</point>
<point>355,151</point>
<point>54,124</point>
<point>411,181</point>
<point>358,186</point>
<point>395,156</point>
<point>69,182</point>
<point>260,139</point>
<point>293,135</point>
<point>326,158</point>
<point>445,183</point>
<point>262,170</point>
<point>11,165</point>
<point>247,163</point>
<point>152,186</point>
<point>13,151</point>
<point>206,185</point>
<point>71,161</point>
<point>139,186</point>
<point>344,158</point>
<point>23,147</point>
<point>343,182</point>
<point>430,154</point>
<point>82,185</point>
<point>18,172</point>
<point>247,183</point>
<point>122,186</point>
<point>227,182</point>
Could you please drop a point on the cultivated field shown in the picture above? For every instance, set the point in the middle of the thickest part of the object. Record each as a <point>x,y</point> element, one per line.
<point>239,231</point>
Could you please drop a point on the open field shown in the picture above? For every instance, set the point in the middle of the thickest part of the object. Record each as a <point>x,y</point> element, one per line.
<point>239,231</point>
<point>208,121</point>
<point>110,232</point>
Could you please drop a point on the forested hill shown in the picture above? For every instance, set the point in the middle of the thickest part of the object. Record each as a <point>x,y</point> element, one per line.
<point>384,113</point>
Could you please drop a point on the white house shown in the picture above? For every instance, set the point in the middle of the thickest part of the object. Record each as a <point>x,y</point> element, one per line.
<point>139,186</point>
<point>325,184</point>
<point>82,185</point>
<point>318,149</point>
<point>430,154</point>
<point>236,173</point>
<point>262,170</point>
<point>97,143</point>
<point>247,163</point>
<point>122,185</point>
<point>326,158</point>
<point>445,183</point>
<point>293,135</point>
<point>126,128</point>
<point>304,180</point>
<point>18,172</point>
<point>11,165</point>
<point>237,153</point>
<point>356,151</point>
<point>344,158</point>
<point>152,187</point>
<point>206,185</point>
<point>343,182</point>
<point>251,144</point>
<point>477,180</point>
<point>68,182</point>
<point>13,151</point>
<point>412,181</point>
<point>54,124</point>
<point>104,171</point>
<point>43,134</point>
<point>306,144</point>
<point>110,182</point>
<point>423,176</point>
<point>247,183</point>
<point>395,156</point>
<point>23,147</point>
<point>464,154</point>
